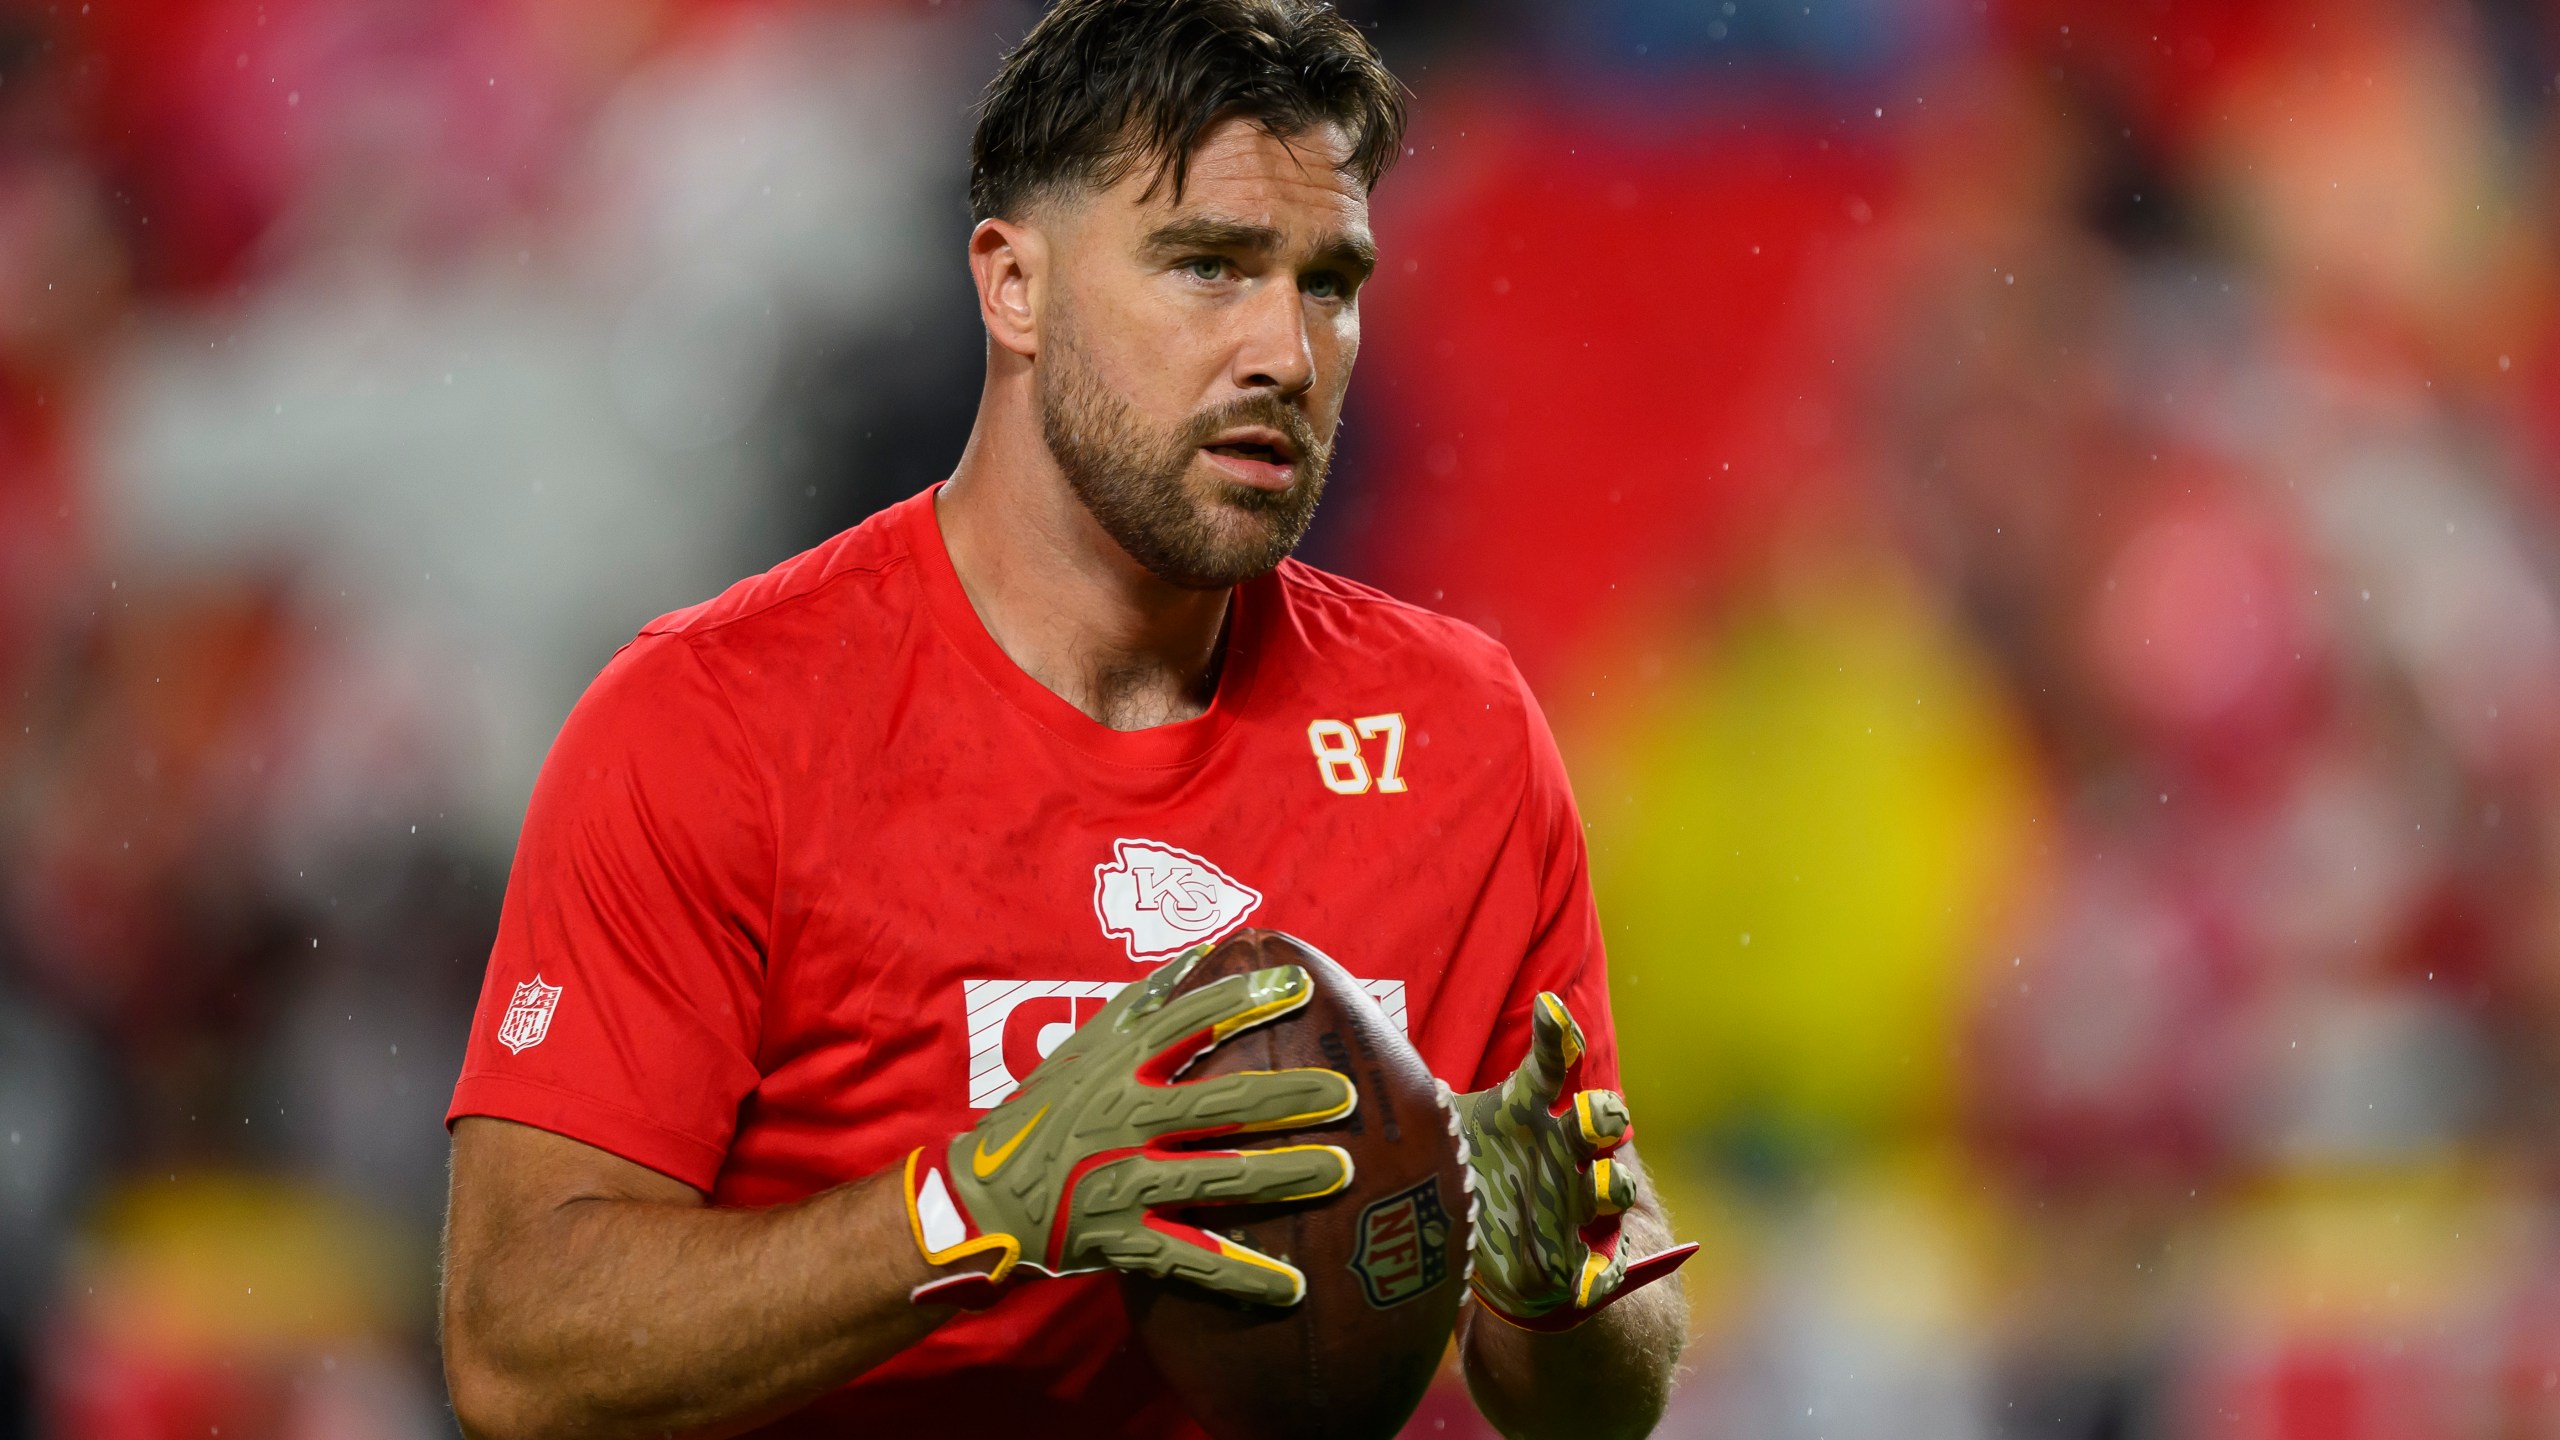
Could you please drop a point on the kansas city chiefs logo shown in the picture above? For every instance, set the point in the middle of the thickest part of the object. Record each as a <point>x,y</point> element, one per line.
<point>1161,899</point>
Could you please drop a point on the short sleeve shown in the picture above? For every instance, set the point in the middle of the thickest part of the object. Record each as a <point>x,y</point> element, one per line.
<point>624,995</point>
<point>1564,953</point>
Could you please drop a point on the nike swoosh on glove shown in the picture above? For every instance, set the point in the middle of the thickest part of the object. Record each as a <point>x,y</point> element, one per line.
<point>1077,1170</point>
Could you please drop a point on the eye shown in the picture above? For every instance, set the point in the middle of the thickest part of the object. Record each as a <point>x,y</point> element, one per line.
<point>1205,267</point>
<point>1327,285</point>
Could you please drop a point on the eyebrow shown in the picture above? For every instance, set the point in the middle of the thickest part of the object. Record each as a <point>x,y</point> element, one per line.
<point>1344,248</point>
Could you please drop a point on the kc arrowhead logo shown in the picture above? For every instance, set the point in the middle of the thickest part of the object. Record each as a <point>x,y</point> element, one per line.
<point>1161,899</point>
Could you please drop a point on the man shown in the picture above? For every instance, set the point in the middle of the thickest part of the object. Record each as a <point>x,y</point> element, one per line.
<point>819,872</point>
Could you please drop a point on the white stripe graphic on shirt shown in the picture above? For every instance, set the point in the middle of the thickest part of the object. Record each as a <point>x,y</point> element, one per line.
<point>990,1007</point>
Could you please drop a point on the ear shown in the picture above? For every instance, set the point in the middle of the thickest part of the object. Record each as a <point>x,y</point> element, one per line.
<point>1011,266</point>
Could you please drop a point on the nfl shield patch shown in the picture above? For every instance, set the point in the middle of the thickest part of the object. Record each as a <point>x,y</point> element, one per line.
<point>1404,1245</point>
<point>528,1015</point>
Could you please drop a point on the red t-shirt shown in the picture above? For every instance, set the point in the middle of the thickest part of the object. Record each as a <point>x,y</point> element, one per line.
<point>814,874</point>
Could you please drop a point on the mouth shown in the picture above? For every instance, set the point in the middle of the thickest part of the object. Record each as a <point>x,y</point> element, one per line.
<point>1260,457</point>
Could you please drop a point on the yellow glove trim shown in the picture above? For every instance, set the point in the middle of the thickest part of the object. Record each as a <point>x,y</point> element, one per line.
<point>976,1245</point>
<point>1564,1021</point>
<point>1350,1101</point>
<point>1250,1256</point>
<point>1282,1005</point>
<point>1594,1265</point>
<point>1339,1153</point>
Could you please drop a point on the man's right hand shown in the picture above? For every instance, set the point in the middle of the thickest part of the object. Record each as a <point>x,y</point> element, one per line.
<point>1076,1171</point>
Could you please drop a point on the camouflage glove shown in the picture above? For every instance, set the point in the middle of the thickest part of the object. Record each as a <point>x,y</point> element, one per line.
<point>1075,1171</point>
<point>1548,1196</point>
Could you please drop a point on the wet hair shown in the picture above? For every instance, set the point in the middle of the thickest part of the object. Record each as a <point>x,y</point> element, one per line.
<point>1102,87</point>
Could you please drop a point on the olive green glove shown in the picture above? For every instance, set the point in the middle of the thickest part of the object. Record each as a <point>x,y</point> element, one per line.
<point>1075,1172</point>
<point>1548,1196</point>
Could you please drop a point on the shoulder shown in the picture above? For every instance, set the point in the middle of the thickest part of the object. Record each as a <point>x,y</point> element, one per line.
<point>817,584</point>
<point>1350,625</point>
<point>746,658</point>
<point>1440,673</point>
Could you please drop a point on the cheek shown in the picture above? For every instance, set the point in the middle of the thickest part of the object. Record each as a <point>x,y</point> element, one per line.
<point>1142,361</point>
<point>1178,354</point>
<point>1343,342</point>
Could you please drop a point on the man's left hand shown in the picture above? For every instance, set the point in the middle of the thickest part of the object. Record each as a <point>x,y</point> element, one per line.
<point>1548,1195</point>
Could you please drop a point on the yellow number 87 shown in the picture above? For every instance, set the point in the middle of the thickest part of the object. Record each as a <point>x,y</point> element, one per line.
<point>1341,763</point>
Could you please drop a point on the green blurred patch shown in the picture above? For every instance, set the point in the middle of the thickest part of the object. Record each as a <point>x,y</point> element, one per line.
<point>239,1264</point>
<point>1801,846</point>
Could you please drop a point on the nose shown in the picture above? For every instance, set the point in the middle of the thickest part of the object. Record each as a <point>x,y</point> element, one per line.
<point>1276,351</point>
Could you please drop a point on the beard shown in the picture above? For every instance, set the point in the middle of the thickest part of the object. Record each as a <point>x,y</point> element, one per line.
<point>1202,533</point>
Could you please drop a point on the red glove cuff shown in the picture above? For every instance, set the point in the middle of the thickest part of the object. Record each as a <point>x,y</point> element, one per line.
<point>1604,1248</point>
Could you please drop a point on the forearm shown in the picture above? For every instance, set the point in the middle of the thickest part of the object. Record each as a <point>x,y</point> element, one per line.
<point>1609,1376</point>
<point>610,1317</point>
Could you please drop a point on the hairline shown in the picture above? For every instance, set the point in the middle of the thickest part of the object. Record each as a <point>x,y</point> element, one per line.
<point>1130,153</point>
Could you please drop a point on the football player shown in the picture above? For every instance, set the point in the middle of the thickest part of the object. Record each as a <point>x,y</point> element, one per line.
<point>819,1078</point>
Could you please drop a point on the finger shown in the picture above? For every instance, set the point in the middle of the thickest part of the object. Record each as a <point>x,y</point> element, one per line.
<point>1600,1121</point>
<point>1249,1101</point>
<point>1600,1277</point>
<point>1150,994</point>
<point>1620,1277</point>
<point>1611,1280</point>
<point>1610,1186</point>
<point>1189,1024</point>
<point>1554,1058</point>
<point>1244,1177</point>
<point>1171,1250</point>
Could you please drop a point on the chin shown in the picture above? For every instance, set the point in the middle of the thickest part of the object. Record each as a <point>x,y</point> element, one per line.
<point>1241,545</point>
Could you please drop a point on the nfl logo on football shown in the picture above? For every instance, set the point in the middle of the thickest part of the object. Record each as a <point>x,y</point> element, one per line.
<point>1404,1246</point>
<point>528,1015</point>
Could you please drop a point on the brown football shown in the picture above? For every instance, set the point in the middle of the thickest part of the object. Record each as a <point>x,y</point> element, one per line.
<point>1385,1260</point>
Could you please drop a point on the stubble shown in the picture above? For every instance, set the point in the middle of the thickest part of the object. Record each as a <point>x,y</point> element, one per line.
<point>1198,531</point>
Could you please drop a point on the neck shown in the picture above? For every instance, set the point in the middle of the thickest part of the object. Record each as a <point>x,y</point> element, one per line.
<point>1059,595</point>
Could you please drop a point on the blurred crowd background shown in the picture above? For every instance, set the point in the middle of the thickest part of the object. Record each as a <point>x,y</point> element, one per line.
<point>2037,521</point>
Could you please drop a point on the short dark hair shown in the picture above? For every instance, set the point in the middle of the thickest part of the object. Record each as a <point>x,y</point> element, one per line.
<point>1100,87</point>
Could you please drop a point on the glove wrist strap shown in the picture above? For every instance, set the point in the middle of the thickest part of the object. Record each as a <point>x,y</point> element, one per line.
<point>1639,1274</point>
<point>1564,1317</point>
<point>1596,1260</point>
<point>945,1234</point>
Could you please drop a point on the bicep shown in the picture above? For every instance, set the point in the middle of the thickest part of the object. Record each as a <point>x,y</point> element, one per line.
<point>515,1277</point>
<point>624,993</point>
<point>509,1180</point>
<point>502,1168</point>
